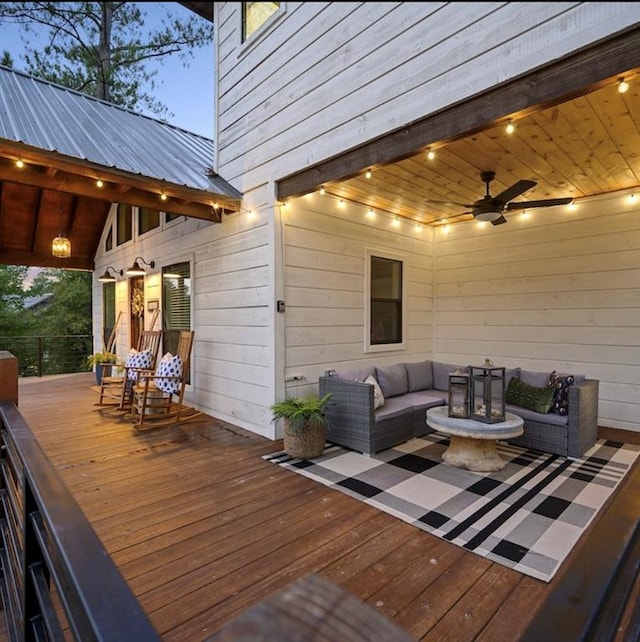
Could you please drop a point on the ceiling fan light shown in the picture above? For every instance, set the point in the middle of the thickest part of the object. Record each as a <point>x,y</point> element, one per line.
<point>488,215</point>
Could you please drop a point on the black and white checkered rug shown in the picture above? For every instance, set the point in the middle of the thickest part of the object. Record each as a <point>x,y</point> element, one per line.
<point>527,516</point>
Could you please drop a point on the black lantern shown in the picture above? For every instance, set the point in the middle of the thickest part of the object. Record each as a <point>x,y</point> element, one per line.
<point>459,394</point>
<point>487,393</point>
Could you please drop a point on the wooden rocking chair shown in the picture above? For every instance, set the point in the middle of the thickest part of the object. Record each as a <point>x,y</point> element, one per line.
<point>158,396</point>
<point>116,392</point>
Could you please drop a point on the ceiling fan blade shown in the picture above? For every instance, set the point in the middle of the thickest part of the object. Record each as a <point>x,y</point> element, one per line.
<point>549,202</point>
<point>499,221</point>
<point>515,190</point>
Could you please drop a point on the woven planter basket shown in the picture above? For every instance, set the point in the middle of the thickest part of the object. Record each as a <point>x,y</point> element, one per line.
<point>307,443</point>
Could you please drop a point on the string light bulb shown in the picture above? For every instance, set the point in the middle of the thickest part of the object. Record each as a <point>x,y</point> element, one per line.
<point>368,174</point>
<point>431,154</point>
<point>19,163</point>
<point>510,128</point>
<point>99,183</point>
<point>623,86</point>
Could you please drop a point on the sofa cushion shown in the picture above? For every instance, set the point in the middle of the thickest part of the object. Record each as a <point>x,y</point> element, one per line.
<point>534,378</point>
<point>441,372</point>
<point>356,375</point>
<point>560,385</point>
<point>393,408</point>
<point>420,375</point>
<point>378,397</point>
<point>425,399</point>
<point>393,380</point>
<point>531,397</point>
<point>549,418</point>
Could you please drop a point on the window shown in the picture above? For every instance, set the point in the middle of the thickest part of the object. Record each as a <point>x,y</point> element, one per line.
<point>254,15</point>
<point>108,310</point>
<point>124,222</point>
<point>108,243</point>
<point>148,219</point>
<point>176,303</point>
<point>169,216</point>
<point>385,301</point>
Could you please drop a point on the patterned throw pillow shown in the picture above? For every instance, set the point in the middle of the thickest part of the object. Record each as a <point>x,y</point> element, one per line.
<point>135,359</point>
<point>378,397</point>
<point>169,366</point>
<point>526,396</point>
<point>560,385</point>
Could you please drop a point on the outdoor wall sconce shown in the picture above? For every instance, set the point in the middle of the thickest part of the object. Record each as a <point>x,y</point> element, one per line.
<point>108,278</point>
<point>137,270</point>
<point>61,247</point>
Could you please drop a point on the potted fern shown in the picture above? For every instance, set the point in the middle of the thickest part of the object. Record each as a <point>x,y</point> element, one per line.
<point>305,424</point>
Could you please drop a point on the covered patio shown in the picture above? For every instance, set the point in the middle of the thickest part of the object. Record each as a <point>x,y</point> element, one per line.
<point>202,529</point>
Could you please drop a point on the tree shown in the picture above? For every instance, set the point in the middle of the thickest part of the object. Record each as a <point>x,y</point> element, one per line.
<point>103,48</point>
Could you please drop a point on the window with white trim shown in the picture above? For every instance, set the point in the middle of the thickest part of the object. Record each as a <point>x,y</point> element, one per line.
<point>176,303</point>
<point>385,301</point>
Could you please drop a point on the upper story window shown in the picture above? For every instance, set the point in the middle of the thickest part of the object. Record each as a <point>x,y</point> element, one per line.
<point>124,220</point>
<point>385,302</point>
<point>254,15</point>
<point>148,219</point>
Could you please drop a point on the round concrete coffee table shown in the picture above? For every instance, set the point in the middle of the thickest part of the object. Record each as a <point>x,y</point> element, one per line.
<point>472,444</point>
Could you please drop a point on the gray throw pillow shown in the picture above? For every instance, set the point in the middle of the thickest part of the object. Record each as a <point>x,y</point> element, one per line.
<point>393,380</point>
<point>533,378</point>
<point>420,376</point>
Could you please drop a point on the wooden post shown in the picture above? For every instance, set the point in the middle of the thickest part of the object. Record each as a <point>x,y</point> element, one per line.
<point>8,377</point>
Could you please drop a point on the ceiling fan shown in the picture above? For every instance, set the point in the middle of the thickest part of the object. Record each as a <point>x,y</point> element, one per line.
<point>492,208</point>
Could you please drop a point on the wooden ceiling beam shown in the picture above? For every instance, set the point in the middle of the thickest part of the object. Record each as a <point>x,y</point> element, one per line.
<point>73,184</point>
<point>17,257</point>
<point>117,180</point>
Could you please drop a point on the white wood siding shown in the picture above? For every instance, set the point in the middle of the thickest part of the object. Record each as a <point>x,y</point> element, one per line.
<point>329,76</point>
<point>557,291</point>
<point>324,258</point>
<point>232,277</point>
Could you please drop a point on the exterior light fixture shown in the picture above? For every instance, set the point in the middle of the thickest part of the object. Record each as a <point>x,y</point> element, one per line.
<point>108,278</point>
<point>623,86</point>
<point>61,247</point>
<point>19,163</point>
<point>510,128</point>
<point>368,174</point>
<point>137,270</point>
<point>99,183</point>
<point>163,197</point>
<point>431,154</point>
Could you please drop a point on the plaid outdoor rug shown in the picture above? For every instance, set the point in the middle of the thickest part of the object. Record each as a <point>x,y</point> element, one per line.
<point>527,516</point>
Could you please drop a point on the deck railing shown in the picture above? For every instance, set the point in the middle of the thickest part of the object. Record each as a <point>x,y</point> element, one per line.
<point>57,579</point>
<point>48,355</point>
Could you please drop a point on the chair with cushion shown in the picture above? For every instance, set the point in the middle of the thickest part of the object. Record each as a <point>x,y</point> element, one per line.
<point>116,391</point>
<point>158,396</point>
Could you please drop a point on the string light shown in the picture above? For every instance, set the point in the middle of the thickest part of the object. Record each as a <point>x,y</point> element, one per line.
<point>323,191</point>
<point>431,154</point>
<point>19,163</point>
<point>510,128</point>
<point>99,183</point>
<point>623,86</point>
<point>163,197</point>
<point>368,174</point>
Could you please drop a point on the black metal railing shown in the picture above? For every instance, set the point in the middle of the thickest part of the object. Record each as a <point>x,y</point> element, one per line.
<point>57,580</point>
<point>49,355</point>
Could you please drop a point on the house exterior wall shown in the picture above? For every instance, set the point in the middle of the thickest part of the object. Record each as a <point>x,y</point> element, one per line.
<point>322,78</point>
<point>550,291</point>
<point>325,286</point>
<point>232,277</point>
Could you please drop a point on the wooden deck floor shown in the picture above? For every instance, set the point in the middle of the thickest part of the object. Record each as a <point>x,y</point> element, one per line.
<point>202,528</point>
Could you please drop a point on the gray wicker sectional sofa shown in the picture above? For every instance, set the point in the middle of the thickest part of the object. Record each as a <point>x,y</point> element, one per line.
<point>407,390</point>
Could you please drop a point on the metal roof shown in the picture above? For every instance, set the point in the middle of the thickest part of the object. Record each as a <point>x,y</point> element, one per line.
<point>54,118</point>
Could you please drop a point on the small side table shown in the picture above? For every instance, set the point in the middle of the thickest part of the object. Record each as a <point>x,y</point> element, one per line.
<point>472,444</point>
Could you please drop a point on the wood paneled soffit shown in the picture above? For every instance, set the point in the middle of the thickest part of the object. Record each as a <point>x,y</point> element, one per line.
<point>557,83</point>
<point>51,172</point>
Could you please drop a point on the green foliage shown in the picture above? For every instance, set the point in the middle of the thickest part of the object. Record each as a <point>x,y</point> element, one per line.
<point>103,48</point>
<point>302,411</point>
<point>100,357</point>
